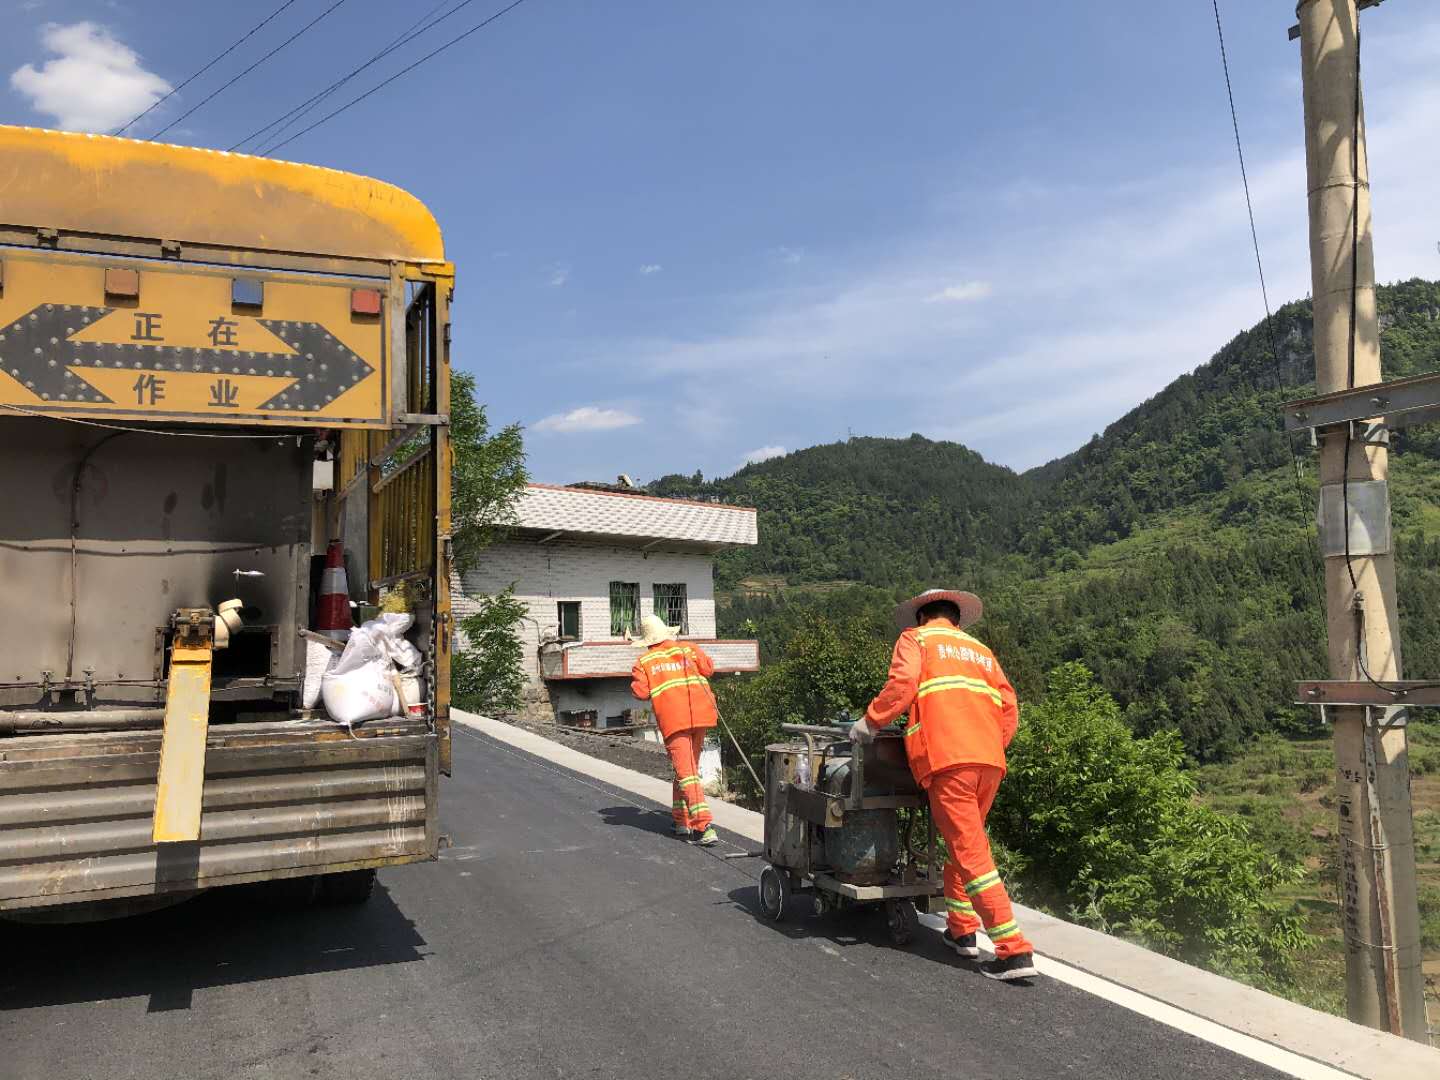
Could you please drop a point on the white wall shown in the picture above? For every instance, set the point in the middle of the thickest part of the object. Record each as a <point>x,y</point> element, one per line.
<point>544,574</point>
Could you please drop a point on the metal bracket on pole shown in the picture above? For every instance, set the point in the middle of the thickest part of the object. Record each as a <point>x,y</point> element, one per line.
<point>1399,695</point>
<point>1294,32</point>
<point>1402,402</point>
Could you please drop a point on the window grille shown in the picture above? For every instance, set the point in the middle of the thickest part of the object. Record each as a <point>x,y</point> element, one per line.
<point>670,605</point>
<point>624,608</point>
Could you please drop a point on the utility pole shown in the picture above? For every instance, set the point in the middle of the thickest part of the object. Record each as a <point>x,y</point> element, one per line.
<point>1384,984</point>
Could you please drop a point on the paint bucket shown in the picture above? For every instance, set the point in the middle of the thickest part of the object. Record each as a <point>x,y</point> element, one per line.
<point>412,694</point>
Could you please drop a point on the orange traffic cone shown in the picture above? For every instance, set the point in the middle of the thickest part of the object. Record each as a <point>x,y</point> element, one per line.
<point>332,612</point>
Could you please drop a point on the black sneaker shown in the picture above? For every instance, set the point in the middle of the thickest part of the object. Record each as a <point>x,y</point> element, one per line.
<point>964,944</point>
<point>1019,966</point>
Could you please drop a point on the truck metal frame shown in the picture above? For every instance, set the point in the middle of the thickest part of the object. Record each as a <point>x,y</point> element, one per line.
<point>151,464</point>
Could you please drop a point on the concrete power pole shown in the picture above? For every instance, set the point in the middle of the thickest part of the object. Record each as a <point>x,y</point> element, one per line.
<point>1384,984</point>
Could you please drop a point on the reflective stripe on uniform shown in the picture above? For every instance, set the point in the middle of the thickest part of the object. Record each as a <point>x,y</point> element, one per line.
<point>664,653</point>
<point>983,882</point>
<point>912,729</point>
<point>671,684</point>
<point>699,806</point>
<point>945,631</point>
<point>684,781</point>
<point>960,905</point>
<point>1003,931</point>
<point>959,682</point>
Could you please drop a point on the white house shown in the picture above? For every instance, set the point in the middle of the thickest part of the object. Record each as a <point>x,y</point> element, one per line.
<point>588,563</point>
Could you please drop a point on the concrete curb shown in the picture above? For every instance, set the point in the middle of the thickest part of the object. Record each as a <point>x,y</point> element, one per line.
<point>1316,1036</point>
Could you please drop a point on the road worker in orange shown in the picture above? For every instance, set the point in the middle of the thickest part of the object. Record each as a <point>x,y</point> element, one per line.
<point>962,715</point>
<point>674,676</point>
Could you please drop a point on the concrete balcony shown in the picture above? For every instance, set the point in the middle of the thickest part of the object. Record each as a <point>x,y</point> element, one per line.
<point>614,659</point>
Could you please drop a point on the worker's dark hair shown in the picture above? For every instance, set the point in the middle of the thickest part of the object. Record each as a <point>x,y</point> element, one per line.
<point>938,608</point>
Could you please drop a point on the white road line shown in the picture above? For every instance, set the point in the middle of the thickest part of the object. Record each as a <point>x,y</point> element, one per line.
<point>1216,1034</point>
<point>1247,1046</point>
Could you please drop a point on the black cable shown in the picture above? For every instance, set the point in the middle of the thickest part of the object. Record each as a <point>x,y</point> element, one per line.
<point>280,123</point>
<point>226,52</point>
<point>403,71</point>
<point>1300,494</point>
<point>248,70</point>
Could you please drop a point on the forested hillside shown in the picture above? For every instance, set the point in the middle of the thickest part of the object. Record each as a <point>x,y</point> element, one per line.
<point>1173,555</point>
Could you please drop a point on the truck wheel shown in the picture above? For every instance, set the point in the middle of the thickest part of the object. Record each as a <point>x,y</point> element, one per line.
<point>292,894</point>
<point>350,887</point>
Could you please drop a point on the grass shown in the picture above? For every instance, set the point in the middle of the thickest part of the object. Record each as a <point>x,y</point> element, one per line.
<point>1284,790</point>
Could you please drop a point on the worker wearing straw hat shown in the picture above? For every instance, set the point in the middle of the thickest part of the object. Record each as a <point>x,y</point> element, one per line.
<point>962,715</point>
<point>674,677</point>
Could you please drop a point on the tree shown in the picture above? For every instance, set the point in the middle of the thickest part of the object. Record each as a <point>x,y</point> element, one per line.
<point>487,476</point>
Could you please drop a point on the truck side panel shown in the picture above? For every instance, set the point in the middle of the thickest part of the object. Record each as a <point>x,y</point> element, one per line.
<point>75,810</point>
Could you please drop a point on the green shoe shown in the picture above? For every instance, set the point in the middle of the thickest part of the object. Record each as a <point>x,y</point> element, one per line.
<point>709,837</point>
<point>682,831</point>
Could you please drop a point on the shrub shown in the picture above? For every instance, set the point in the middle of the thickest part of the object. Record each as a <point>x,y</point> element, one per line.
<point>1111,831</point>
<point>485,671</point>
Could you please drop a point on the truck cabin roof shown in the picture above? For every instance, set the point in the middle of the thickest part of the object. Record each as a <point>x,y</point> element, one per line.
<point>109,187</point>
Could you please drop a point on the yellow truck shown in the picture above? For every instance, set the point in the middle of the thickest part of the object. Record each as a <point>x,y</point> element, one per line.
<point>211,367</point>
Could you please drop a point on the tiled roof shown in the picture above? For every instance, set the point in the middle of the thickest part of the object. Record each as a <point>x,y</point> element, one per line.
<point>545,508</point>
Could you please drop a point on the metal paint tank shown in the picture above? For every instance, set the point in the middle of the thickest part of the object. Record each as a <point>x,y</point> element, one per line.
<point>865,850</point>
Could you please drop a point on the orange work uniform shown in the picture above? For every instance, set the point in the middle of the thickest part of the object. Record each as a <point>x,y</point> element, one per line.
<point>675,678</point>
<point>963,714</point>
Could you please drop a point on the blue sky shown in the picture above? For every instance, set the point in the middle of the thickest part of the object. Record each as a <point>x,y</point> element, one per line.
<point>688,234</point>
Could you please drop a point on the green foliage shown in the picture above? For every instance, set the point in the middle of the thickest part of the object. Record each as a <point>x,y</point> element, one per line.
<point>1105,825</point>
<point>487,476</point>
<point>827,671</point>
<point>485,674</point>
<point>488,473</point>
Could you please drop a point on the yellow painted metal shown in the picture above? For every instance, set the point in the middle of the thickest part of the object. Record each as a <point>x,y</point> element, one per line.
<point>183,350</point>
<point>180,785</point>
<point>127,188</point>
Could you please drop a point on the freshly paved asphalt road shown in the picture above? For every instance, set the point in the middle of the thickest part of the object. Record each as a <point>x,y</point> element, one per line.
<point>566,934</point>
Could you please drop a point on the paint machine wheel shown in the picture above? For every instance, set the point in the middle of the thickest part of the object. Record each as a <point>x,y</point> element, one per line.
<point>902,920</point>
<point>774,892</point>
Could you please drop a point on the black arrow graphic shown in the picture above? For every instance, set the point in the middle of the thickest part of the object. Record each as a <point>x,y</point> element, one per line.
<point>38,351</point>
<point>35,350</point>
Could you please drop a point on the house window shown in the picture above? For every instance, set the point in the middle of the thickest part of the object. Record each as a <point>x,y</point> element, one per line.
<point>624,608</point>
<point>670,605</point>
<point>567,613</point>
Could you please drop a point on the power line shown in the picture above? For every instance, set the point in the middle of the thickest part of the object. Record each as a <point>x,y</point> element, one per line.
<point>406,36</point>
<point>226,52</point>
<point>247,71</point>
<point>403,71</point>
<point>1259,263</point>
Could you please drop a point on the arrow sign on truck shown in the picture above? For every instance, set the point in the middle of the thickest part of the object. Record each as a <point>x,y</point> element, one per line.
<point>65,354</point>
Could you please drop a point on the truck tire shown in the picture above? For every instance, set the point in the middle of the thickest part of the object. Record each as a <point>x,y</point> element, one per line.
<point>291,894</point>
<point>350,887</point>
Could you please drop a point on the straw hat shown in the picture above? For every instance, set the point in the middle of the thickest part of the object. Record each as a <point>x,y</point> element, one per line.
<point>969,604</point>
<point>653,631</point>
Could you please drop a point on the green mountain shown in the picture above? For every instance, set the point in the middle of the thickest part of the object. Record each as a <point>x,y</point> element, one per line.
<point>1174,554</point>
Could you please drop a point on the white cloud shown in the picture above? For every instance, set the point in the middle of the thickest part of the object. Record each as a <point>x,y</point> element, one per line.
<point>586,418</point>
<point>789,255</point>
<point>651,268</point>
<point>764,453</point>
<point>559,274</point>
<point>96,83</point>
<point>956,294</point>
